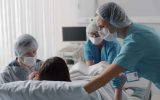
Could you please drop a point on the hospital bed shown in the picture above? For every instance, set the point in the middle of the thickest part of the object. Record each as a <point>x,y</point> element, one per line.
<point>136,90</point>
<point>55,90</point>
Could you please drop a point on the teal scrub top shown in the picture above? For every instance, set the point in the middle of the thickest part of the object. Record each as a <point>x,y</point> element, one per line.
<point>108,52</point>
<point>141,52</point>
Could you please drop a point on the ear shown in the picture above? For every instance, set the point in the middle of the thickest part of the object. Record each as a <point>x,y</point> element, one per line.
<point>111,28</point>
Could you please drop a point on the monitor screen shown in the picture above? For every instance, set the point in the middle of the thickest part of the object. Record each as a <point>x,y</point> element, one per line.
<point>74,33</point>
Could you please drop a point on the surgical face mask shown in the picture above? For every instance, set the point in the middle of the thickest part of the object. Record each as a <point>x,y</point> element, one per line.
<point>29,61</point>
<point>96,40</point>
<point>106,35</point>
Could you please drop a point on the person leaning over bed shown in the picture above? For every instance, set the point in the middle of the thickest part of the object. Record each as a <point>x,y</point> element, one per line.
<point>140,50</point>
<point>53,69</point>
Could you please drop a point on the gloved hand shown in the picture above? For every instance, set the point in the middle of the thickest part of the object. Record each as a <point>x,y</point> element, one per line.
<point>118,82</point>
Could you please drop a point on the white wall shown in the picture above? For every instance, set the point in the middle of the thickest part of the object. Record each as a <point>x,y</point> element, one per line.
<point>141,11</point>
<point>138,7</point>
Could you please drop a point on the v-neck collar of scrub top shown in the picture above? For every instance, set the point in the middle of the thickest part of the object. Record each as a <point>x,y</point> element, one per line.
<point>130,29</point>
<point>14,63</point>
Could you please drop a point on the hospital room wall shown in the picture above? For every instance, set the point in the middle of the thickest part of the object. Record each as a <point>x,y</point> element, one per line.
<point>45,18</point>
<point>40,18</point>
<point>138,7</point>
<point>140,11</point>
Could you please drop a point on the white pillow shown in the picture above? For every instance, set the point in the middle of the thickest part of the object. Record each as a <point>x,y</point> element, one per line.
<point>80,67</point>
<point>97,68</point>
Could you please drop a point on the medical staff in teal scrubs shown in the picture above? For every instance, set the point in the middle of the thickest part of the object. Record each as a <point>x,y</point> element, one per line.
<point>97,49</point>
<point>140,51</point>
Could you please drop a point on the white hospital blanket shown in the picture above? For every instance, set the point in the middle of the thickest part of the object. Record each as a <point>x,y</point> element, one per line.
<point>45,90</point>
<point>80,71</point>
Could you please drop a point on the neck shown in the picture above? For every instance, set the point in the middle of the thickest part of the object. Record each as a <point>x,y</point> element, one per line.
<point>100,45</point>
<point>123,32</point>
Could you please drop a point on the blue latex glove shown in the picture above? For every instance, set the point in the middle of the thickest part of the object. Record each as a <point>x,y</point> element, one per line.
<point>118,82</point>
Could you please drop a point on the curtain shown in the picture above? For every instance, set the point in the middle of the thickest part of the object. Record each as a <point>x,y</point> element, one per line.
<point>40,18</point>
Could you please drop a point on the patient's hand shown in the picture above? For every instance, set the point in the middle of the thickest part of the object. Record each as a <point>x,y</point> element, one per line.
<point>33,75</point>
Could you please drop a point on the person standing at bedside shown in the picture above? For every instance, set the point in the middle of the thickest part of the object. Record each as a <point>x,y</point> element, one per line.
<point>25,62</point>
<point>97,49</point>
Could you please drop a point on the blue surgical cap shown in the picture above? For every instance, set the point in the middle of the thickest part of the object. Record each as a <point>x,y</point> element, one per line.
<point>114,14</point>
<point>24,44</point>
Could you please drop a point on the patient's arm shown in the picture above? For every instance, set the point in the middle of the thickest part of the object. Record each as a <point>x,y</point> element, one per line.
<point>89,62</point>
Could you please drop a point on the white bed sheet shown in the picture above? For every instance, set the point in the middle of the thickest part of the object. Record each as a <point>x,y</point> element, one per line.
<point>80,71</point>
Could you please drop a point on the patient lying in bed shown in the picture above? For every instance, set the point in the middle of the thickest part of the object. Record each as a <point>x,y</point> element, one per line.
<point>53,69</point>
<point>47,90</point>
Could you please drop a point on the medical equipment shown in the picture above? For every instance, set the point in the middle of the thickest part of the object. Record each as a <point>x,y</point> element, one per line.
<point>71,54</point>
<point>131,76</point>
<point>74,33</point>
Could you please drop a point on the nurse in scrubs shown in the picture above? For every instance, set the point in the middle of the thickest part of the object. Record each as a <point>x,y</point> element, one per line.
<point>140,51</point>
<point>97,49</point>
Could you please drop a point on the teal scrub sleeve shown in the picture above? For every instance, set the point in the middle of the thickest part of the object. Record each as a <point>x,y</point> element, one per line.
<point>113,53</point>
<point>129,56</point>
<point>87,53</point>
<point>103,55</point>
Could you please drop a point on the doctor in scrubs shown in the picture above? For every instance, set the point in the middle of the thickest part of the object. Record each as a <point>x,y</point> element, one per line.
<point>140,51</point>
<point>97,49</point>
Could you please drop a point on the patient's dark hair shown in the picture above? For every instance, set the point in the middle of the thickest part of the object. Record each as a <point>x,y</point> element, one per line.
<point>54,69</point>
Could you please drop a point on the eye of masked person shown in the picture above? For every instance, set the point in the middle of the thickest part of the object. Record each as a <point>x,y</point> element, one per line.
<point>94,34</point>
<point>31,53</point>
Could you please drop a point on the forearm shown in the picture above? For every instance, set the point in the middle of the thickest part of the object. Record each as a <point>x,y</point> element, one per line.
<point>110,72</point>
<point>89,62</point>
<point>118,94</point>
